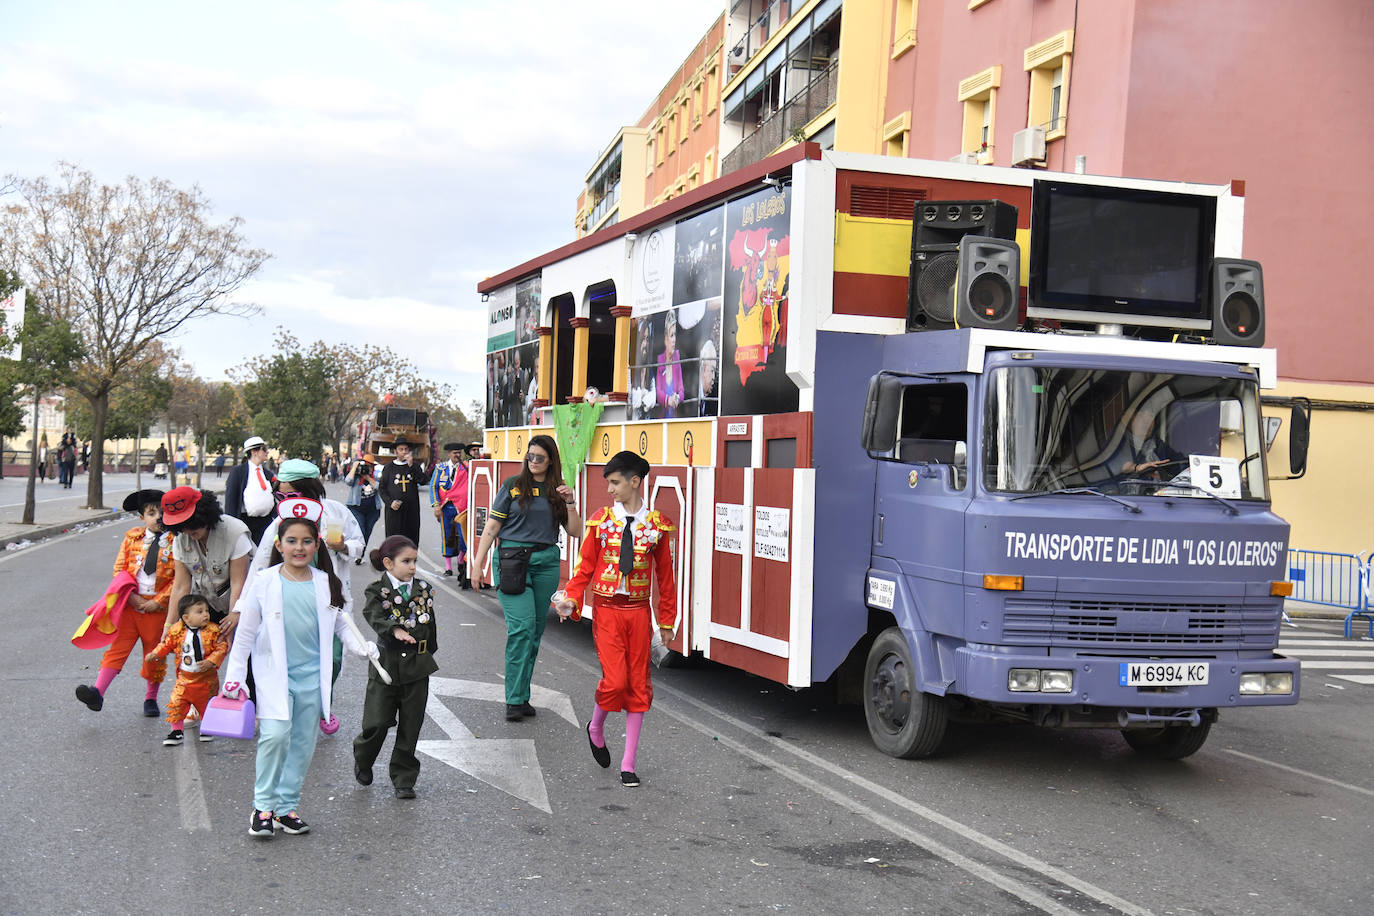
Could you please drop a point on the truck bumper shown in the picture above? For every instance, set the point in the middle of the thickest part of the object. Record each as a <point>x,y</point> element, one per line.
<point>982,675</point>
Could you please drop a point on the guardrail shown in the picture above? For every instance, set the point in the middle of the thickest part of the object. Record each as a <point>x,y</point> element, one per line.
<point>1340,580</point>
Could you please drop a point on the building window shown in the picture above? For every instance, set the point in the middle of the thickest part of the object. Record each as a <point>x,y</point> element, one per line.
<point>1048,66</point>
<point>660,144</point>
<point>710,90</point>
<point>672,134</point>
<point>895,135</point>
<point>709,166</point>
<point>684,121</point>
<point>978,94</point>
<point>693,176</point>
<point>904,28</point>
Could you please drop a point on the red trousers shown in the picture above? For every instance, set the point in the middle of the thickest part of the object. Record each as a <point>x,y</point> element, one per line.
<point>623,631</point>
<point>191,690</point>
<point>133,627</point>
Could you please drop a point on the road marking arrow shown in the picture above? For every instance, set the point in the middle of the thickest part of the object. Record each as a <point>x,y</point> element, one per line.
<point>508,764</point>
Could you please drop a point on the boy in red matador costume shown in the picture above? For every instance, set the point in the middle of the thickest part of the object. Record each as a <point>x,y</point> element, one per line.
<point>621,572</point>
<point>145,554</point>
<point>200,650</point>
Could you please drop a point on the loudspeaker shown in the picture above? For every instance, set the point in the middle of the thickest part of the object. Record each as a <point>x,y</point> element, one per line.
<point>937,227</point>
<point>987,291</point>
<point>1236,299</point>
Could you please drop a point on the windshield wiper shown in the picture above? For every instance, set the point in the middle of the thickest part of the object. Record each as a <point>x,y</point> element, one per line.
<point>1073,491</point>
<point>1230,506</point>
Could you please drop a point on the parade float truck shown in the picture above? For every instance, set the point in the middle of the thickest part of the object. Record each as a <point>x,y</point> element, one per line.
<point>965,443</point>
<point>390,421</point>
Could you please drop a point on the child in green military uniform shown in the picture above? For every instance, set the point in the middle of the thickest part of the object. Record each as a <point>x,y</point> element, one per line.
<point>400,608</point>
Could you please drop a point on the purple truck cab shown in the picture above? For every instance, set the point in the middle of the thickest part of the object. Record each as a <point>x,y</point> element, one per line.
<point>1071,532</point>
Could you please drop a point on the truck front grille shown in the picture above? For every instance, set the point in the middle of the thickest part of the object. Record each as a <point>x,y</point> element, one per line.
<point>1209,623</point>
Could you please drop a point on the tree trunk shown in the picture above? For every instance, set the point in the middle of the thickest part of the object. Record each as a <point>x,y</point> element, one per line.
<point>33,467</point>
<point>200,459</point>
<point>95,486</point>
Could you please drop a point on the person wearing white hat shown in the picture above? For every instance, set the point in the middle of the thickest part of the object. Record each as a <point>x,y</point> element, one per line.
<point>248,491</point>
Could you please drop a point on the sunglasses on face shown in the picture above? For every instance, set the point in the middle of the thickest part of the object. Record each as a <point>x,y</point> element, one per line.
<point>536,458</point>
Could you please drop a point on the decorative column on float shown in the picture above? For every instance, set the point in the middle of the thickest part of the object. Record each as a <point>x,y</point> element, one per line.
<point>545,367</point>
<point>579,380</point>
<point>620,392</point>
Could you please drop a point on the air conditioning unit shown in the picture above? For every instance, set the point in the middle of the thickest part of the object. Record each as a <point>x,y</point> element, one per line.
<point>965,159</point>
<point>737,52</point>
<point>1028,146</point>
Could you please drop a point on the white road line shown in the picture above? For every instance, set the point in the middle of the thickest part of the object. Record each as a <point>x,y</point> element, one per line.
<point>1333,653</point>
<point>1283,766</point>
<point>1357,678</point>
<point>1334,664</point>
<point>190,790</point>
<point>1309,643</point>
<point>978,869</point>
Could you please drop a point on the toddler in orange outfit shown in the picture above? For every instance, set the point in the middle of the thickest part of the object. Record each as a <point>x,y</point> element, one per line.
<point>201,650</point>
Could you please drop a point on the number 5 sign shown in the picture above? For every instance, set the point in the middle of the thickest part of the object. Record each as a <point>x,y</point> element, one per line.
<point>1219,476</point>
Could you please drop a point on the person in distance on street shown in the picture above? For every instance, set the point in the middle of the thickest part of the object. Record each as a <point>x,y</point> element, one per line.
<point>200,649</point>
<point>400,484</point>
<point>400,608</point>
<point>625,551</point>
<point>288,617</point>
<point>448,497</point>
<point>248,489</point>
<point>528,510</point>
<point>146,554</point>
<point>363,499</point>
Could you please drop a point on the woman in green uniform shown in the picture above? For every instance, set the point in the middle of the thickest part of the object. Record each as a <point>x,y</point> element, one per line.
<point>528,510</point>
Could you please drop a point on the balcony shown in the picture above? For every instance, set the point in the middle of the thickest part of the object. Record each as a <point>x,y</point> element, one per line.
<point>787,122</point>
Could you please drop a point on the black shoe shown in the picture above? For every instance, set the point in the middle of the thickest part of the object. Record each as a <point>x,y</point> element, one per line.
<point>292,824</point>
<point>358,562</point>
<point>174,738</point>
<point>91,697</point>
<point>261,824</point>
<point>514,713</point>
<point>628,779</point>
<point>527,710</point>
<point>448,572</point>
<point>602,755</point>
<point>150,709</point>
<point>404,792</point>
<point>465,583</point>
<point>362,774</point>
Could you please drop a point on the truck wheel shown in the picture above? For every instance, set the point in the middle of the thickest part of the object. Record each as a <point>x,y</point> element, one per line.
<point>1169,743</point>
<point>903,721</point>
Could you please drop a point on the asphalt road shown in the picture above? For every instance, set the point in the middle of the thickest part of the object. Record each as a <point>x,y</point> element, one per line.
<point>755,798</point>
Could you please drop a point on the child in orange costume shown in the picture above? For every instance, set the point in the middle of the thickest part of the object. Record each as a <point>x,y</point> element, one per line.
<point>619,575</point>
<point>201,649</point>
<point>145,554</point>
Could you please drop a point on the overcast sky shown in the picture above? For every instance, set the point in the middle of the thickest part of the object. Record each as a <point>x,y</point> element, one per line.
<point>388,154</point>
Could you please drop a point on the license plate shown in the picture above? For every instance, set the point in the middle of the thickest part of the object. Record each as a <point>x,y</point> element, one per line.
<point>1163,674</point>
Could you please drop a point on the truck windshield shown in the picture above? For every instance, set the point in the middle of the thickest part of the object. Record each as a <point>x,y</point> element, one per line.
<point>1138,433</point>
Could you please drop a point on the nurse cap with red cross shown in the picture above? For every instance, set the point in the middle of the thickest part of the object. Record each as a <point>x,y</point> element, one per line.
<point>303,507</point>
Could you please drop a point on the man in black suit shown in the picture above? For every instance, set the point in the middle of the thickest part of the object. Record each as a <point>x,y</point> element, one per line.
<point>245,486</point>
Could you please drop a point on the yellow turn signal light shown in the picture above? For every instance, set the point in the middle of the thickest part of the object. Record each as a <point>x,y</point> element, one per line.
<point>1281,589</point>
<point>1004,583</point>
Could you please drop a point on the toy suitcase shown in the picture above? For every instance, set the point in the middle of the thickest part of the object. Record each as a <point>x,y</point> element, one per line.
<point>228,718</point>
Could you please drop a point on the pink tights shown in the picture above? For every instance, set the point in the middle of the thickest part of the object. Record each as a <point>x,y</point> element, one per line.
<point>634,722</point>
<point>102,683</point>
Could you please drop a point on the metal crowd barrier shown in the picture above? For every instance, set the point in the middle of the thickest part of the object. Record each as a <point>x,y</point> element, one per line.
<point>1333,579</point>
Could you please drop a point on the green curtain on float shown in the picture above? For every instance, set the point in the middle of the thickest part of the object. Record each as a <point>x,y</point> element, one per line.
<point>574,426</point>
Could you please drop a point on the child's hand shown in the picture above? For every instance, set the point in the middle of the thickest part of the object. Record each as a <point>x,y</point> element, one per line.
<point>151,657</point>
<point>204,665</point>
<point>402,635</point>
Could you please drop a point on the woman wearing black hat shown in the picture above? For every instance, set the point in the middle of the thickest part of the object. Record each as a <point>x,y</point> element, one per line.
<point>145,554</point>
<point>400,484</point>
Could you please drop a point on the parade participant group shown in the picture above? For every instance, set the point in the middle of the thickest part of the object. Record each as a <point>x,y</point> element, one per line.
<point>257,604</point>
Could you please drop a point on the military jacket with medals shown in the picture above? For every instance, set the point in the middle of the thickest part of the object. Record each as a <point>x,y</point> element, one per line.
<point>385,610</point>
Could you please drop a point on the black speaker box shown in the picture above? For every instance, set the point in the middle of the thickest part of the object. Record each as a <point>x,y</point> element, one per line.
<point>987,292</point>
<point>1236,302</point>
<point>936,229</point>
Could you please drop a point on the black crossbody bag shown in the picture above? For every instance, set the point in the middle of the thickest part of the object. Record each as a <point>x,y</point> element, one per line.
<point>515,568</point>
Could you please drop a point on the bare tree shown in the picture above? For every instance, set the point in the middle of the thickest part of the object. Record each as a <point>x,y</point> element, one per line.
<point>125,265</point>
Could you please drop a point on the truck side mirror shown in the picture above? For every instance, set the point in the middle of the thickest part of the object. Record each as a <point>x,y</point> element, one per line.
<point>1298,429</point>
<point>881,409</point>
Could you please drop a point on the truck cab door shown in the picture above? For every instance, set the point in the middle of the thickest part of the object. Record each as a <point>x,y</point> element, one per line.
<point>921,495</point>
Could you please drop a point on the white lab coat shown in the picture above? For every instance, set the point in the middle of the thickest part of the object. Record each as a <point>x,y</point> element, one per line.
<point>262,633</point>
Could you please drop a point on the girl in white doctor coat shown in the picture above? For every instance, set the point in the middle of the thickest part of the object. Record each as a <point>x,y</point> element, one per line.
<point>289,617</point>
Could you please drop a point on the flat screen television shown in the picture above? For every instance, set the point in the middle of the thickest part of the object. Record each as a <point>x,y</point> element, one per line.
<point>1120,255</point>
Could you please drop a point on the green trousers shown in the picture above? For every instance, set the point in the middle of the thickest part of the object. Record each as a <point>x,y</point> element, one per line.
<point>401,705</point>
<point>526,615</point>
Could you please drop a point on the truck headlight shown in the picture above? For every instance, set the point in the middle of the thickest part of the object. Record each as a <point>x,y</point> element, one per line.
<point>1056,682</point>
<point>1023,680</point>
<point>1266,683</point>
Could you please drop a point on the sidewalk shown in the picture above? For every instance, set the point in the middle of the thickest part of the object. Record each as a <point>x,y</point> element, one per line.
<point>58,510</point>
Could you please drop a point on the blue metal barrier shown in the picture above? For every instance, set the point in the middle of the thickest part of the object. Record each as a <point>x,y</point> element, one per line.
<point>1333,579</point>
